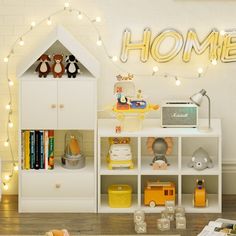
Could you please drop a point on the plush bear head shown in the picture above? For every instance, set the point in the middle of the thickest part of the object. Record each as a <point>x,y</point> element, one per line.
<point>58,58</point>
<point>44,58</point>
<point>71,59</point>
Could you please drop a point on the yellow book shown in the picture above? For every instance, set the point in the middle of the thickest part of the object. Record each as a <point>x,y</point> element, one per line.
<point>27,150</point>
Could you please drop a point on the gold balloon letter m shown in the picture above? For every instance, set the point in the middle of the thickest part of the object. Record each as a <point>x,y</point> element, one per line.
<point>143,46</point>
<point>192,42</point>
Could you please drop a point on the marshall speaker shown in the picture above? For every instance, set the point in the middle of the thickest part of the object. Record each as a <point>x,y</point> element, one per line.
<point>179,114</point>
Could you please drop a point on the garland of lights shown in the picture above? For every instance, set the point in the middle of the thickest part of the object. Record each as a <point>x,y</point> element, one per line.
<point>100,42</point>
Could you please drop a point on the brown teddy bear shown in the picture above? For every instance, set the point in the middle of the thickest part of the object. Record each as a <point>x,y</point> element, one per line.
<point>58,68</point>
<point>43,67</point>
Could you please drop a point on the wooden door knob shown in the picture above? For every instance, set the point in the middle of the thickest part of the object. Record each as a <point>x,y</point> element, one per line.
<point>61,106</point>
<point>58,186</point>
<point>53,106</point>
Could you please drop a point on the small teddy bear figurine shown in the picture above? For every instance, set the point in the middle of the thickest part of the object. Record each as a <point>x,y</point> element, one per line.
<point>58,68</point>
<point>43,67</point>
<point>72,67</point>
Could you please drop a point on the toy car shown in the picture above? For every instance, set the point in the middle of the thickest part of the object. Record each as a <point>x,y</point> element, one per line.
<point>157,193</point>
<point>119,156</point>
<point>200,195</point>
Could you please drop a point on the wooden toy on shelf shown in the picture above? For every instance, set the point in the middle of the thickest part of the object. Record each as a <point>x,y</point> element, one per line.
<point>159,148</point>
<point>200,195</point>
<point>157,193</point>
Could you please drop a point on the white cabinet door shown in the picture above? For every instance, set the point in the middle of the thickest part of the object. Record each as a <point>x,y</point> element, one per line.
<point>38,104</point>
<point>76,104</point>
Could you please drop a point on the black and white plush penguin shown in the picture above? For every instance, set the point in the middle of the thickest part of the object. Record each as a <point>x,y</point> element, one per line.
<point>72,68</point>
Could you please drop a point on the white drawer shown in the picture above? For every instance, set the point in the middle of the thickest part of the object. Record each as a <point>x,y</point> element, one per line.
<point>63,185</point>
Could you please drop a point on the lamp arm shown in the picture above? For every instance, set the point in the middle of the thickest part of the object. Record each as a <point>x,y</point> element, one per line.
<point>209,111</point>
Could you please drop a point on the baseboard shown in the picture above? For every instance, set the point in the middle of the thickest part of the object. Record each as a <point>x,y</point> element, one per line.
<point>229,166</point>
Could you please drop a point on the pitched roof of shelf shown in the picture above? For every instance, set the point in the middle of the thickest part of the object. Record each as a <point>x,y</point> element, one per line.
<point>70,43</point>
<point>152,127</point>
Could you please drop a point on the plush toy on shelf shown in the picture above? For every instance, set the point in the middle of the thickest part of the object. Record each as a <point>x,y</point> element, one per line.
<point>200,194</point>
<point>130,106</point>
<point>72,68</point>
<point>43,67</point>
<point>159,148</point>
<point>201,160</point>
<point>58,68</point>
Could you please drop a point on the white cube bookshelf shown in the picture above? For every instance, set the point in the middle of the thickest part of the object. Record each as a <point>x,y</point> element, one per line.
<point>186,141</point>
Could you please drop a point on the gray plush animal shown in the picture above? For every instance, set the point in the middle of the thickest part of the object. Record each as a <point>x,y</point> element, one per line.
<point>200,160</point>
<point>159,148</point>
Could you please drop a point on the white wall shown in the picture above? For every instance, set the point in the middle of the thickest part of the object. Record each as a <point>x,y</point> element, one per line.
<point>16,15</point>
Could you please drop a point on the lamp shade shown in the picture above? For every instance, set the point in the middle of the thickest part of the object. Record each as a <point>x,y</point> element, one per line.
<point>197,97</point>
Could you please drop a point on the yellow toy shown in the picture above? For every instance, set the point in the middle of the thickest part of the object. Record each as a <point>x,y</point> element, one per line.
<point>200,195</point>
<point>157,193</point>
<point>130,108</point>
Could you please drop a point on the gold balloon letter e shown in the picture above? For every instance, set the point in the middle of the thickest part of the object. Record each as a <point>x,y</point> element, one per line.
<point>143,46</point>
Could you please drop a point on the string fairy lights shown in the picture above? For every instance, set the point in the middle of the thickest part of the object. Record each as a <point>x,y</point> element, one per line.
<point>113,58</point>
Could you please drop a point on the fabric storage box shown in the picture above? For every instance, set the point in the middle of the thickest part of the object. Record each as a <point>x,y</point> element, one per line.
<point>120,196</point>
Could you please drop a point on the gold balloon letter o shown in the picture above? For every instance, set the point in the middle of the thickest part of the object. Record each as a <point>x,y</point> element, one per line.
<point>173,52</point>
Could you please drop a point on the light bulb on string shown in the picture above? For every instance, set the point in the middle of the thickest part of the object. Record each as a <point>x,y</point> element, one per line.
<point>16,167</point>
<point>49,21</point>
<point>114,58</point>
<point>98,19</point>
<point>5,186</point>
<point>99,41</point>
<point>155,69</point>
<point>33,24</point>
<point>200,71</point>
<point>6,143</point>
<point>8,106</point>
<point>10,124</point>
<point>6,177</point>
<point>214,62</point>
<point>66,4</point>
<point>10,82</point>
<point>6,59</point>
<point>80,15</point>
<point>21,42</point>
<point>177,81</point>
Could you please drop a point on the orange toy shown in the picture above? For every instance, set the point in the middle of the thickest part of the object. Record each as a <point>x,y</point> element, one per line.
<point>56,232</point>
<point>157,193</point>
<point>200,195</point>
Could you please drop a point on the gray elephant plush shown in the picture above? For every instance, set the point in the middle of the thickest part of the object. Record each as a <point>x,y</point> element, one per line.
<point>200,160</point>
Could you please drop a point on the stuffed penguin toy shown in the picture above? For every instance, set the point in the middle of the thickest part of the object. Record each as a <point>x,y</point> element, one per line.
<point>72,68</point>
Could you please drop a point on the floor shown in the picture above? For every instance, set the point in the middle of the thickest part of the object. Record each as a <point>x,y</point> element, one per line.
<point>13,223</point>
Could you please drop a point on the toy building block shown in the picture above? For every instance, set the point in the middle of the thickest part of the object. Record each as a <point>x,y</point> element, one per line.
<point>179,211</point>
<point>141,228</point>
<point>170,206</point>
<point>139,216</point>
<point>181,222</point>
<point>168,215</point>
<point>163,224</point>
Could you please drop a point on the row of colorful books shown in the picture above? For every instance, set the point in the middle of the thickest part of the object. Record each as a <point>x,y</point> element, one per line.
<point>38,149</point>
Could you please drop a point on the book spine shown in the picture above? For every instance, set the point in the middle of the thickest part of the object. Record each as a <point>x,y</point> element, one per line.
<point>46,149</point>
<point>36,149</point>
<point>27,149</point>
<point>51,149</point>
<point>41,149</point>
<point>32,149</point>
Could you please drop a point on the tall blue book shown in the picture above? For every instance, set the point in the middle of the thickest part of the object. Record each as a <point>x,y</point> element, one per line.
<point>32,149</point>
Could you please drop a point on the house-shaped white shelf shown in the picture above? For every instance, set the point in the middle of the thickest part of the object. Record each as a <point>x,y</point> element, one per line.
<point>60,41</point>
